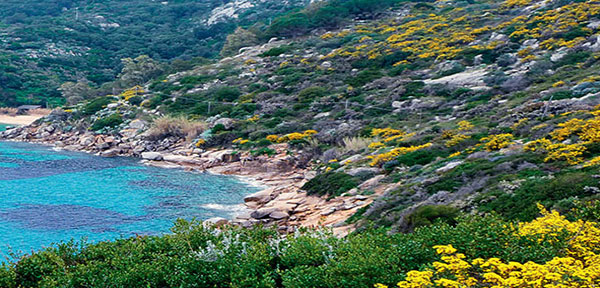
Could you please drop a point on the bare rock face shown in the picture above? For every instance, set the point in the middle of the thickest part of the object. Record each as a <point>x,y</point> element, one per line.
<point>154,156</point>
<point>278,215</point>
<point>261,197</point>
<point>262,213</point>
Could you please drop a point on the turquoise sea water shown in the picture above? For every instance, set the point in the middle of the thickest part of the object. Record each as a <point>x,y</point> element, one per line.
<point>48,196</point>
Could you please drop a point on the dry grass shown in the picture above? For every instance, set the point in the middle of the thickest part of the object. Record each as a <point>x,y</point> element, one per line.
<point>355,144</point>
<point>180,127</point>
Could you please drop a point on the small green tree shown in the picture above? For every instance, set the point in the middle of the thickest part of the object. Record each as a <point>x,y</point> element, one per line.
<point>139,70</point>
<point>237,40</point>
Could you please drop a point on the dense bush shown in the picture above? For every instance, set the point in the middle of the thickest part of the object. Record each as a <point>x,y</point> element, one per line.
<point>521,204</point>
<point>196,256</point>
<point>331,14</point>
<point>419,157</point>
<point>428,214</point>
<point>312,93</point>
<point>331,183</point>
<point>273,52</point>
<point>96,105</point>
<point>110,121</point>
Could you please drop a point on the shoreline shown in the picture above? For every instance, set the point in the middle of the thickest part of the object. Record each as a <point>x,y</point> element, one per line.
<point>280,201</point>
<point>22,120</point>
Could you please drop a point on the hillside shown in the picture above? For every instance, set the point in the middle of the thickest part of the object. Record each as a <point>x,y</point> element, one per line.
<point>413,124</point>
<point>46,43</point>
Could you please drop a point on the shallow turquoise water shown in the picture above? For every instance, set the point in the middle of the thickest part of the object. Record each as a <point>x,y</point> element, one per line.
<point>48,196</point>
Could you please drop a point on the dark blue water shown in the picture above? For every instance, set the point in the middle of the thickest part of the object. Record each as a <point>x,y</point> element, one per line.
<point>48,196</point>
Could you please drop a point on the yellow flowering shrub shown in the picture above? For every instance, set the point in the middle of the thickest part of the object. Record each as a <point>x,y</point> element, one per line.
<point>292,136</point>
<point>392,154</point>
<point>579,267</point>
<point>376,145</point>
<point>519,123</point>
<point>455,154</point>
<point>200,143</point>
<point>465,125</point>
<point>240,141</point>
<point>498,141</point>
<point>537,145</point>
<point>386,132</point>
<point>132,92</point>
<point>567,152</point>
<point>592,162</point>
<point>253,118</point>
<point>567,129</point>
<point>456,139</point>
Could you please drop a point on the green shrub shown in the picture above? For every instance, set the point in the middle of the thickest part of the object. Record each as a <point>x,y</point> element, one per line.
<point>263,151</point>
<point>228,94</point>
<point>420,157</point>
<point>521,204</point>
<point>136,100</point>
<point>110,121</point>
<point>331,183</point>
<point>197,256</point>
<point>274,52</point>
<point>96,105</point>
<point>218,128</point>
<point>573,58</point>
<point>310,94</point>
<point>364,77</point>
<point>428,214</point>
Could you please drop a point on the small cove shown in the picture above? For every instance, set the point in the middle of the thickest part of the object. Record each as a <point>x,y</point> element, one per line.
<point>49,196</point>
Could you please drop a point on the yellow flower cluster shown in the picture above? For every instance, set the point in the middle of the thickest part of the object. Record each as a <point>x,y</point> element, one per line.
<point>497,142</point>
<point>253,118</point>
<point>456,139</point>
<point>392,154</point>
<point>376,145</point>
<point>537,145</point>
<point>516,3</point>
<point>455,136</point>
<point>465,125</point>
<point>567,152</point>
<point>200,143</point>
<point>132,92</point>
<point>579,267</point>
<point>437,37</point>
<point>519,123</point>
<point>592,162</point>
<point>386,132</point>
<point>240,141</point>
<point>291,136</point>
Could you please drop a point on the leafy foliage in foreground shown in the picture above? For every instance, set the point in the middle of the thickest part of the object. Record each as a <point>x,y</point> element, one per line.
<point>197,256</point>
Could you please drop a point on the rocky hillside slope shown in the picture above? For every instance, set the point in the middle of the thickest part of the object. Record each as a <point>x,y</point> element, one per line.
<point>46,43</point>
<point>429,110</point>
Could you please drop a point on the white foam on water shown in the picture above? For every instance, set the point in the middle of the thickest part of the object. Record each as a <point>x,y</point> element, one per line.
<point>233,210</point>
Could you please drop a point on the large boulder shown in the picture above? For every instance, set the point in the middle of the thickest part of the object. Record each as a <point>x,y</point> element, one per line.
<point>154,156</point>
<point>262,213</point>
<point>138,124</point>
<point>263,196</point>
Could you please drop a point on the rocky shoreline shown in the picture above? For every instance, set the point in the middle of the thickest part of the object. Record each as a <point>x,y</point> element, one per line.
<point>282,203</point>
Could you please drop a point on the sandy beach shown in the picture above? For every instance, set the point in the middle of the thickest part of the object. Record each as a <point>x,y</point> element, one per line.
<point>18,120</point>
